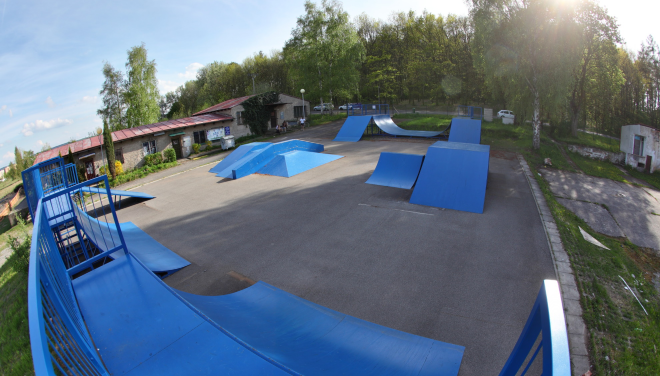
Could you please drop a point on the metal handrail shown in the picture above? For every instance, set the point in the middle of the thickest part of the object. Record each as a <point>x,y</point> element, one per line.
<point>547,319</point>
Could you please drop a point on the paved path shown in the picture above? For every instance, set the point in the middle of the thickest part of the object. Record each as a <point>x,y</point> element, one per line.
<point>325,235</point>
<point>636,210</point>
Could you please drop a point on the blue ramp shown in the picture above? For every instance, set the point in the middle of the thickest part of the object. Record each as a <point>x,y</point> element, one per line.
<point>465,130</point>
<point>385,123</point>
<point>141,328</point>
<point>156,257</point>
<point>453,176</point>
<point>258,159</point>
<point>295,162</point>
<point>314,340</point>
<point>224,168</point>
<point>396,170</point>
<point>115,192</point>
<point>353,128</point>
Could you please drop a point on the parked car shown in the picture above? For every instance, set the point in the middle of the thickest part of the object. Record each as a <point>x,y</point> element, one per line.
<point>505,114</point>
<point>326,106</point>
<point>347,106</point>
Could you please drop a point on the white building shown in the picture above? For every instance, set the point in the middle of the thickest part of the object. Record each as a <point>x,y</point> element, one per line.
<point>641,144</point>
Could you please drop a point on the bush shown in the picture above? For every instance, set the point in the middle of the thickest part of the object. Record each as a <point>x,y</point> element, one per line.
<point>119,169</point>
<point>196,148</point>
<point>170,155</point>
<point>209,144</point>
<point>153,159</point>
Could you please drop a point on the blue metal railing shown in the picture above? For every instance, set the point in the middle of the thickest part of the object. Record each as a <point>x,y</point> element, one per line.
<point>58,336</point>
<point>471,112</point>
<point>369,109</point>
<point>547,320</point>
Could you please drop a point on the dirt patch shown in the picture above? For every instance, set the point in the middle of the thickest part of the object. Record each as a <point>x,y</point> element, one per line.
<point>501,154</point>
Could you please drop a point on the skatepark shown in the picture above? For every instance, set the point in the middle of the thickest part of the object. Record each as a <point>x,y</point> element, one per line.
<point>459,278</point>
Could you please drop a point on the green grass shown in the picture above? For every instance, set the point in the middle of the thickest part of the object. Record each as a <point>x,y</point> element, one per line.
<point>618,328</point>
<point>598,168</point>
<point>140,172</point>
<point>653,179</point>
<point>318,119</point>
<point>591,140</point>
<point>15,354</point>
<point>423,123</point>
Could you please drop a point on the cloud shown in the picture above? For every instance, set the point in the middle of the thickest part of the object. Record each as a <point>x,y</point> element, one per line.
<point>50,102</point>
<point>11,114</point>
<point>40,125</point>
<point>167,86</point>
<point>8,155</point>
<point>191,71</point>
<point>89,98</point>
<point>40,143</point>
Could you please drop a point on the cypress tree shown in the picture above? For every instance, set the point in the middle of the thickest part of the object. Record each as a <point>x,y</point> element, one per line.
<point>109,148</point>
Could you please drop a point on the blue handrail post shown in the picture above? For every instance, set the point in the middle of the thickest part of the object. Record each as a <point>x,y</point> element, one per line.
<point>547,318</point>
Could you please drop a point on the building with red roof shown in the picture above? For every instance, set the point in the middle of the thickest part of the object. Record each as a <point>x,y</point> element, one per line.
<point>211,124</point>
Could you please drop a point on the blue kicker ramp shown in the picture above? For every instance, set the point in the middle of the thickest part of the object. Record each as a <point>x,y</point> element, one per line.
<point>396,170</point>
<point>295,162</point>
<point>465,130</point>
<point>353,128</point>
<point>156,257</point>
<point>115,192</point>
<point>453,176</point>
<point>313,340</point>
<point>385,123</point>
<point>224,168</point>
<point>141,328</point>
<point>257,160</point>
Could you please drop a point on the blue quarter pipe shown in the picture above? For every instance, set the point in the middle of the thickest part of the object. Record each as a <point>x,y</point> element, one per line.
<point>453,176</point>
<point>396,170</point>
<point>353,128</point>
<point>385,123</point>
<point>465,130</point>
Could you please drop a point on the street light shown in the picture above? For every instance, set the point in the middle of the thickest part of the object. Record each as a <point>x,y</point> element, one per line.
<point>302,91</point>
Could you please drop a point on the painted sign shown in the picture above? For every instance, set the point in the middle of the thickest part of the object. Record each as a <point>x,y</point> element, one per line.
<point>227,131</point>
<point>214,134</point>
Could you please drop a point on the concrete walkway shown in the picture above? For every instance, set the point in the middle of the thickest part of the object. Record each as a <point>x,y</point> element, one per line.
<point>635,210</point>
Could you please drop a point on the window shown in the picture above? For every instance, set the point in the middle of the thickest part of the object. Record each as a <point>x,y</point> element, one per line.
<point>239,117</point>
<point>119,155</point>
<point>200,137</point>
<point>149,147</point>
<point>298,111</point>
<point>638,145</point>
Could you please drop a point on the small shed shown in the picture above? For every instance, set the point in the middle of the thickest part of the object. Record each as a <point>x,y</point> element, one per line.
<point>641,144</point>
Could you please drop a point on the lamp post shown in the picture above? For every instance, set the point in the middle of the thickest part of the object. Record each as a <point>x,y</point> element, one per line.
<point>302,91</point>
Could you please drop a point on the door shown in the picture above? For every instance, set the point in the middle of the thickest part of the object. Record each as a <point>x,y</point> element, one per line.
<point>273,119</point>
<point>90,172</point>
<point>176,145</point>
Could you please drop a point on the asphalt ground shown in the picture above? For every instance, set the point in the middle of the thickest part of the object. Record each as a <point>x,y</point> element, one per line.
<point>326,236</point>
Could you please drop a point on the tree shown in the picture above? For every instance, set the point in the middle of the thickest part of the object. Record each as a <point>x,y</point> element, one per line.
<point>324,53</point>
<point>141,94</point>
<point>113,96</point>
<point>598,35</point>
<point>109,149</point>
<point>532,46</point>
<point>69,157</point>
<point>45,147</point>
<point>18,160</point>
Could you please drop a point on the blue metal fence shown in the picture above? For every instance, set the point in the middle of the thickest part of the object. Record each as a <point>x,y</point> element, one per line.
<point>369,109</point>
<point>471,112</point>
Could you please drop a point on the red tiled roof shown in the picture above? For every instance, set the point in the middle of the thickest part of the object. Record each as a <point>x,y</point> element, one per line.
<point>124,134</point>
<point>224,105</point>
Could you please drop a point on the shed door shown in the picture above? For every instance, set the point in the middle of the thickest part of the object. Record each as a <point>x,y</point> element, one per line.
<point>638,145</point>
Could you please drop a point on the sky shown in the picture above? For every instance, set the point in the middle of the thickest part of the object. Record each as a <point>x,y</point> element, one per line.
<point>52,52</point>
